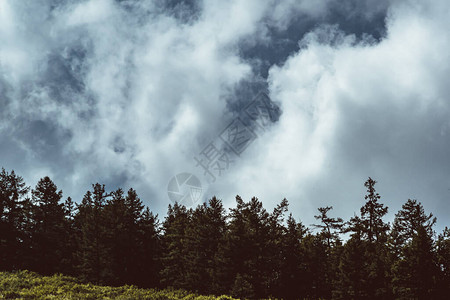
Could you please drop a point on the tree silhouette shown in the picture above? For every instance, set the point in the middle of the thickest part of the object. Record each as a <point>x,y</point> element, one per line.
<point>414,265</point>
<point>330,227</point>
<point>443,260</point>
<point>112,238</point>
<point>48,227</point>
<point>14,221</point>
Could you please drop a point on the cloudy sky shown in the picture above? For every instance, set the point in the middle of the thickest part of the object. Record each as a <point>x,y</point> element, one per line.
<point>129,92</point>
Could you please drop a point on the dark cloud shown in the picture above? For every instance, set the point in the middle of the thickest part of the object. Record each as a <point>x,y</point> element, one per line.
<point>363,19</point>
<point>186,11</point>
<point>63,73</point>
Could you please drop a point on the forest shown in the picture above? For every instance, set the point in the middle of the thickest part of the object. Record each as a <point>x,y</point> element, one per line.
<point>111,238</point>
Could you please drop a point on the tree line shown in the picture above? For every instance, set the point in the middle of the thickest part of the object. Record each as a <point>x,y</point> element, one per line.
<point>112,238</point>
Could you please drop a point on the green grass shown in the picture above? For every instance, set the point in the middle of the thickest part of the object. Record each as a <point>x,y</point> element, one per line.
<point>29,285</point>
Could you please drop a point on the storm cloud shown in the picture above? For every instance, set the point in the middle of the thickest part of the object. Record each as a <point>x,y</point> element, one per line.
<point>127,93</point>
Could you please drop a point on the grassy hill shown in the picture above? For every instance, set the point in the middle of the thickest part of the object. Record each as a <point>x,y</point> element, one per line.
<point>29,285</point>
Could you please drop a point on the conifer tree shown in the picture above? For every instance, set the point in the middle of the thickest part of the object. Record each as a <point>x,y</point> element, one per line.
<point>92,251</point>
<point>353,271</point>
<point>117,239</point>
<point>414,268</point>
<point>15,216</point>
<point>148,268</point>
<point>243,251</point>
<point>109,238</point>
<point>329,234</point>
<point>203,237</point>
<point>368,245</point>
<point>133,222</point>
<point>273,253</point>
<point>293,266</point>
<point>49,227</point>
<point>372,214</point>
<point>330,227</point>
<point>68,261</point>
<point>316,254</point>
<point>174,256</point>
<point>443,259</point>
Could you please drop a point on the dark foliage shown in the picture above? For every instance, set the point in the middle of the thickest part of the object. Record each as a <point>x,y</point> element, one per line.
<point>111,238</point>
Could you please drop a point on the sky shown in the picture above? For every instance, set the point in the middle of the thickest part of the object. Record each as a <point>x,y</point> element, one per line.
<point>296,99</point>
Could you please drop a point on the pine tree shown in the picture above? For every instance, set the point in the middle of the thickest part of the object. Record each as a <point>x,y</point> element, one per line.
<point>174,259</point>
<point>69,250</point>
<point>124,238</point>
<point>49,227</point>
<point>354,247</point>
<point>92,250</point>
<point>15,216</point>
<point>368,245</point>
<point>443,259</point>
<point>316,258</point>
<point>248,253</point>
<point>414,269</point>
<point>134,221</point>
<point>329,234</point>
<point>203,237</point>
<point>372,214</point>
<point>353,271</point>
<point>243,251</point>
<point>148,267</point>
<point>273,254</point>
<point>293,267</point>
<point>330,227</point>
<point>117,238</point>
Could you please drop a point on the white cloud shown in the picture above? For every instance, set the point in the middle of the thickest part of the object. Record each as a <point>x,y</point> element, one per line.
<point>149,90</point>
<point>356,110</point>
<point>135,94</point>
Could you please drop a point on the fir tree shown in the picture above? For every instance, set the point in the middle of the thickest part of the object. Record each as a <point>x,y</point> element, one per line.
<point>443,259</point>
<point>203,237</point>
<point>174,256</point>
<point>92,250</point>
<point>368,245</point>
<point>148,261</point>
<point>68,260</point>
<point>49,227</point>
<point>414,268</point>
<point>15,208</point>
<point>330,227</point>
<point>293,267</point>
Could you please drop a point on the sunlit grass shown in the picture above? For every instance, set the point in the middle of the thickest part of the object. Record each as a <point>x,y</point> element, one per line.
<point>29,285</point>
